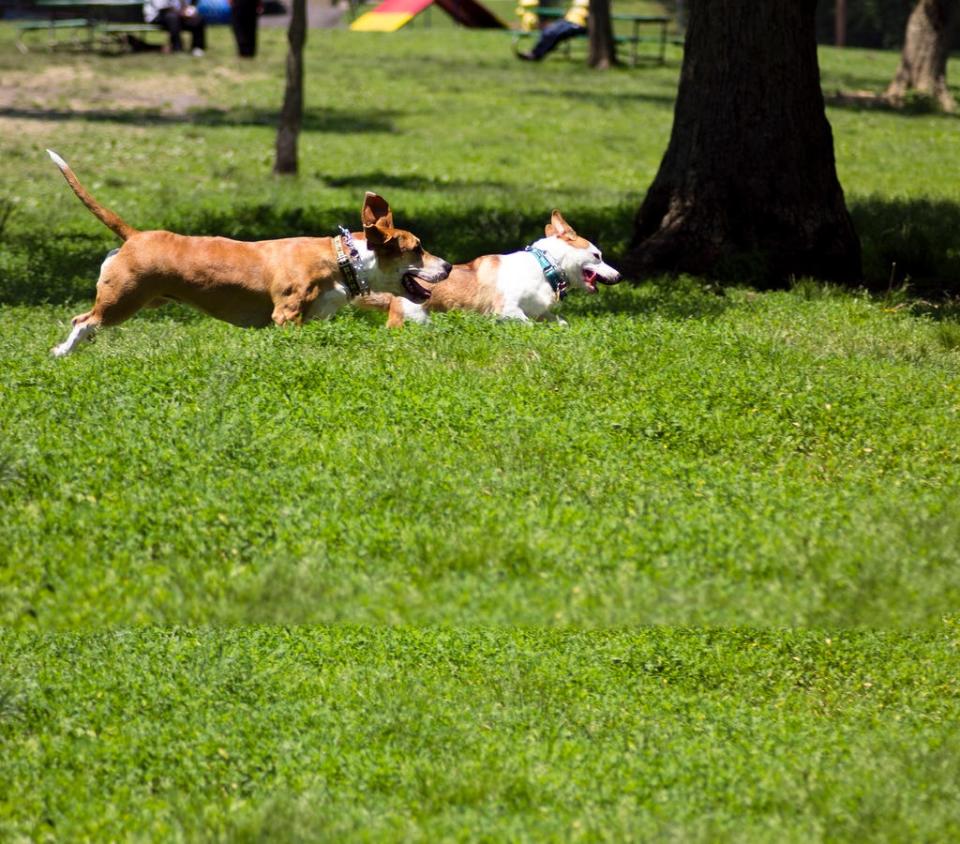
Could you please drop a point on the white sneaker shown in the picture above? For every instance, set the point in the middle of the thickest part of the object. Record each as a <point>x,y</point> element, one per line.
<point>196,51</point>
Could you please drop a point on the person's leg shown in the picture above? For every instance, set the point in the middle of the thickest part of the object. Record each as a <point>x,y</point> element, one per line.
<point>236,24</point>
<point>170,20</point>
<point>245,27</point>
<point>550,36</point>
<point>197,27</point>
<point>553,35</point>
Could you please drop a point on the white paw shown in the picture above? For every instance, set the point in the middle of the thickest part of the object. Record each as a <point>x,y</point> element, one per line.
<point>414,312</point>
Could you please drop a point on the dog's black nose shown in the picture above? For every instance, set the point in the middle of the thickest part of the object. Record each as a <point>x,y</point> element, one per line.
<point>447,266</point>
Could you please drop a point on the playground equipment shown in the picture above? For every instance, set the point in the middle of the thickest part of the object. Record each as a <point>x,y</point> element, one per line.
<point>390,15</point>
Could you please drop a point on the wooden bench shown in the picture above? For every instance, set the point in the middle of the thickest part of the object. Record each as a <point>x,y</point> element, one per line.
<point>62,33</point>
<point>105,25</point>
<point>82,34</point>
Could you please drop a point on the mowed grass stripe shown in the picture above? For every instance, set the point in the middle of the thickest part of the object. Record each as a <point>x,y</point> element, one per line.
<point>673,457</point>
<point>419,734</point>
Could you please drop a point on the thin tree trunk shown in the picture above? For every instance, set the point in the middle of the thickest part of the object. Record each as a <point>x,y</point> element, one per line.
<point>681,14</point>
<point>748,185</point>
<point>923,63</point>
<point>603,49</point>
<point>291,115</point>
<point>840,23</point>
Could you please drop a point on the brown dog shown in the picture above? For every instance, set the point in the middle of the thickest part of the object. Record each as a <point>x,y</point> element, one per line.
<point>252,284</point>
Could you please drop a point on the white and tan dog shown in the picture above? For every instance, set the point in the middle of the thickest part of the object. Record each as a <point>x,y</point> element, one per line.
<point>252,284</point>
<point>522,285</point>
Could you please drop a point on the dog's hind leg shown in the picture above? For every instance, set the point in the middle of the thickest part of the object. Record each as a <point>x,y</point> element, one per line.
<point>118,298</point>
<point>82,329</point>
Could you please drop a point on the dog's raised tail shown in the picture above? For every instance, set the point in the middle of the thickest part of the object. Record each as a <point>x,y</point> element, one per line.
<point>104,215</point>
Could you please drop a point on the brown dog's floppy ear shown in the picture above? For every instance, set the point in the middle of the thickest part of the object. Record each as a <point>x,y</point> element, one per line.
<point>377,218</point>
<point>558,227</point>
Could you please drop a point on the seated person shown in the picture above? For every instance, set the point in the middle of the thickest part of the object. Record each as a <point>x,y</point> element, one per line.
<point>175,16</point>
<point>572,24</point>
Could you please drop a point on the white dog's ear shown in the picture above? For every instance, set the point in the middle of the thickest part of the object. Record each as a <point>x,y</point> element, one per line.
<point>377,219</point>
<point>558,227</point>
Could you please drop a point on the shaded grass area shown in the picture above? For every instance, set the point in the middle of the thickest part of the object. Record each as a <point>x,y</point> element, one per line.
<point>327,120</point>
<point>289,734</point>
<point>912,241</point>
<point>906,242</point>
<point>38,269</point>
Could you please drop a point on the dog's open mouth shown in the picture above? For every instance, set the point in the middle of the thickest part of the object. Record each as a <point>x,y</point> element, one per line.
<point>590,279</point>
<point>416,292</point>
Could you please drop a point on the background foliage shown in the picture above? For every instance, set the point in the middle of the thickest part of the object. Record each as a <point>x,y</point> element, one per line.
<point>870,23</point>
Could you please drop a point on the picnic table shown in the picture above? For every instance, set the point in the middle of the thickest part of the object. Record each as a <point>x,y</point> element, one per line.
<point>639,26</point>
<point>85,24</point>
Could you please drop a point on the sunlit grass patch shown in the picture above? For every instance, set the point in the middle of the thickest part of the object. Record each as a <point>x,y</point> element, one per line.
<point>685,569</point>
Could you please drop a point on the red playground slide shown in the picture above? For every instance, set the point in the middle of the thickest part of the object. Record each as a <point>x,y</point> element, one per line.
<point>390,15</point>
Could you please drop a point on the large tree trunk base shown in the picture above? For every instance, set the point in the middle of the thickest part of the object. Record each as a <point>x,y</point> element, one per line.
<point>937,92</point>
<point>923,63</point>
<point>602,46</point>
<point>747,189</point>
<point>603,64</point>
<point>768,256</point>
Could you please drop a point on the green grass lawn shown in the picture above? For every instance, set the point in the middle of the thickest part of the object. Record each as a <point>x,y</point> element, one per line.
<point>685,569</point>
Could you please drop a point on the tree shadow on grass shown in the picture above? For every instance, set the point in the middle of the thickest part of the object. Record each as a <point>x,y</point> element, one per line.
<point>343,121</point>
<point>667,99</point>
<point>56,267</point>
<point>866,100</point>
<point>909,241</point>
<point>379,179</point>
<point>912,242</point>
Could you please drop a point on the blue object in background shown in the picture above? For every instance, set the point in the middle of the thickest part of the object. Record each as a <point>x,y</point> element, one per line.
<point>214,11</point>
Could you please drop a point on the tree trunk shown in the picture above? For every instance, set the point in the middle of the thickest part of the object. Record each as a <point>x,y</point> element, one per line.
<point>840,23</point>
<point>748,186</point>
<point>923,63</point>
<point>291,115</point>
<point>603,49</point>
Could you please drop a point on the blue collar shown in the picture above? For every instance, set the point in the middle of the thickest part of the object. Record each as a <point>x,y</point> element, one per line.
<point>554,275</point>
